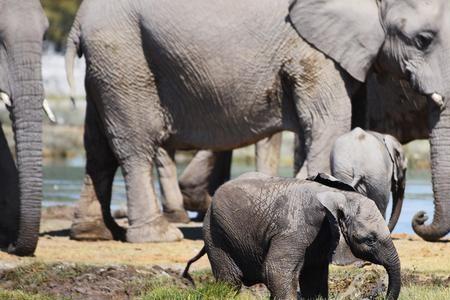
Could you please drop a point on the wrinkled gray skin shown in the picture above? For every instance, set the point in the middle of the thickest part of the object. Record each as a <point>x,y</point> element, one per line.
<point>22,28</point>
<point>200,179</point>
<point>374,165</point>
<point>295,227</point>
<point>208,170</point>
<point>188,82</point>
<point>413,117</point>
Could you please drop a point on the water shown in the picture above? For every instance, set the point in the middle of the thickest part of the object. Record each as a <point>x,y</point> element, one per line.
<point>63,181</point>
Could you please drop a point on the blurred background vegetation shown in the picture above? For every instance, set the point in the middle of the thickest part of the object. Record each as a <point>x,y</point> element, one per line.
<point>61,14</point>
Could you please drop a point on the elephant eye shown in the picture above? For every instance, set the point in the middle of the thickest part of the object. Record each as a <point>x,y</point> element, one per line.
<point>424,39</point>
<point>370,240</point>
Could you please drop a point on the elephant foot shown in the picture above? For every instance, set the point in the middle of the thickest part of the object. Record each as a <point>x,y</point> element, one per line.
<point>177,216</point>
<point>95,230</point>
<point>158,230</point>
<point>196,203</point>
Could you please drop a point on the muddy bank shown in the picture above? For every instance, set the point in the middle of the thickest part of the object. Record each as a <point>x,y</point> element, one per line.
<point>75,281</point>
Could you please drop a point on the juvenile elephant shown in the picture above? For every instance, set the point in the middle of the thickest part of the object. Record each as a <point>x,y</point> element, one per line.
<point>391,106</point>
<point>373,164</point>
<point>295,227</point>
<point>222,74</point>
<point>22,28</point>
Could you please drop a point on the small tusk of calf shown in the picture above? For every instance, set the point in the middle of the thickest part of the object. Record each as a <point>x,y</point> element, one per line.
<point>48,111</point>
<point>438,100</point>
<point>5,98</point>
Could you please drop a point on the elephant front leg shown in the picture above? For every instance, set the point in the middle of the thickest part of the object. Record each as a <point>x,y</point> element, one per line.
<point>314,281</point>
<point>172,198</point>
<point>324,109</point>
<point>267,152</point>
<point>146,222</point>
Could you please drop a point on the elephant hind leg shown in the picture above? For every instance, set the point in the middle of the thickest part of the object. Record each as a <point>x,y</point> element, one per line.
<point>93,219</point>
<point>172,198</point>
<point>224,268</point>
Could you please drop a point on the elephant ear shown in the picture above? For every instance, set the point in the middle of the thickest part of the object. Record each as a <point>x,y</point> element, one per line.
<point>334,203</point>
<point>397,156</point>
<point>348,31</point>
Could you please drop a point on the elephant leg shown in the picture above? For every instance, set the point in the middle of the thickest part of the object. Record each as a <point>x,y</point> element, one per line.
<point>282,270</point>
<point>267,152</point>
<point>194,181</point>
<point>9,194</point>
<point>224,268</point>
<point>324,112</point>
<point>314,281</point>
<point>300,165</point>
<point>281,281</point>
<point>221,171</point>
<point>202,177</point>
<point>172,198</point>
<point>146,222</point>
<point>93,220</point>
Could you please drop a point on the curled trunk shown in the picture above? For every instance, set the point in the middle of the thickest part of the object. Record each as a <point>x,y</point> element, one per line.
<point>26,115</point>
<point>440,166</point>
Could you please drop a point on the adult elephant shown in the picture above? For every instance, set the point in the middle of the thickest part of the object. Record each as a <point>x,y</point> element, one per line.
<point>22,28</point>
<point>222,74</point>
<point>393,107</point>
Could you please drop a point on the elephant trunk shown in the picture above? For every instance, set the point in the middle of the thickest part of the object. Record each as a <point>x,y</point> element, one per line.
<point>398,194</point>
<point>26,113</point>
<point>440,166</point>
<point>392,266</point>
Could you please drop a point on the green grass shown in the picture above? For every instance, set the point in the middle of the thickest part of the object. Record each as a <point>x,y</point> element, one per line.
<point>415,292</point>
<point>206,289</point>
<point>38,273</point>
<point>19,295</point>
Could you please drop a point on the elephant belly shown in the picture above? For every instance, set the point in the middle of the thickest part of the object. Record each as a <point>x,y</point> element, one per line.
<point>217,80</point>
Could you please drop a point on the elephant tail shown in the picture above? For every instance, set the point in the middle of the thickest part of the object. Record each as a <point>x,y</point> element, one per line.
<point>190,262</point>
<point>73,49</point>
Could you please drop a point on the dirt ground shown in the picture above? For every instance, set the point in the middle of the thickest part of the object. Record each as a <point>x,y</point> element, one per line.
<point>109,269</point>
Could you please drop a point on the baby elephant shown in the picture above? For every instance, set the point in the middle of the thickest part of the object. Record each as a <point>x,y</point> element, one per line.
<point>373,164</point>
<point>282,232</point>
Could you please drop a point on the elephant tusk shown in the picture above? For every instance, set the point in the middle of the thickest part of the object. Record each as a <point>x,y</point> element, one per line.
<point>5,98</point>
<point>48,111</point>
<point>438,100</point>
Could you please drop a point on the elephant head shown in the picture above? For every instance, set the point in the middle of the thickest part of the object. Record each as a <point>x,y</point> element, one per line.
<point>398,181</point>
<point>406,39</point>
<point>365,232</point>
<point>22,27</point>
